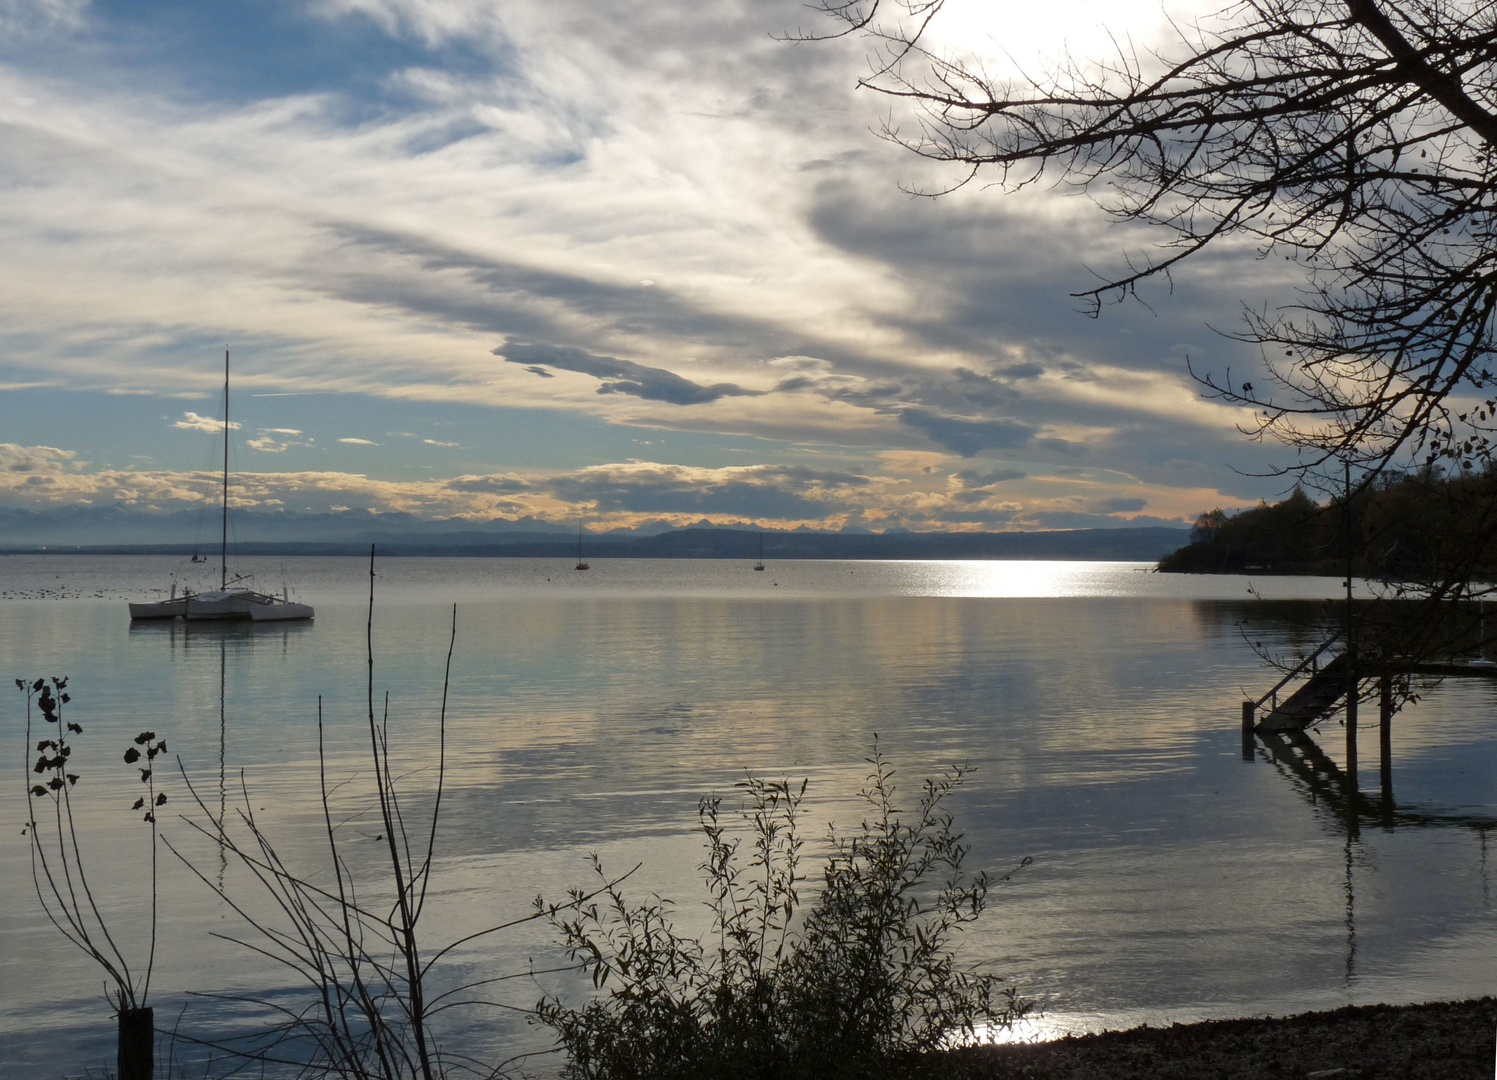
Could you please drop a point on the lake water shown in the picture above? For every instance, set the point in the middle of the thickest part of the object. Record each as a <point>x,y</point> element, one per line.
<point>1096,704</point>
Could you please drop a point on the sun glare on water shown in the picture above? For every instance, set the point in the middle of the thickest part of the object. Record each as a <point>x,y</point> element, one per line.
<point>1031,1029</point>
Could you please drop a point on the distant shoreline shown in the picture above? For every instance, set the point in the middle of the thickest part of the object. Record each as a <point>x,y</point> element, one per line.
<point>1101,545</point>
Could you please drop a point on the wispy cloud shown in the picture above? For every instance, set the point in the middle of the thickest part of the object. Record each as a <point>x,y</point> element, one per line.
<point>191,421</point>
<point>674,223</point>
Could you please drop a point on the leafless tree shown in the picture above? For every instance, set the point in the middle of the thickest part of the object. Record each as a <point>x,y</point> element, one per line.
<point>1355,137</point>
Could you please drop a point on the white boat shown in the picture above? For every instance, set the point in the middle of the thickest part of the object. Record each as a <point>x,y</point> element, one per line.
<point>229,600</point>
<point>231,603</point>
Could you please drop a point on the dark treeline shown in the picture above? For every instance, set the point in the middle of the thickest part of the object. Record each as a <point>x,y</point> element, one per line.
<point>1422,526</point>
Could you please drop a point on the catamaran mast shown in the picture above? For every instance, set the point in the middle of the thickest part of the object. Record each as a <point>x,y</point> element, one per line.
<point>223,544</point>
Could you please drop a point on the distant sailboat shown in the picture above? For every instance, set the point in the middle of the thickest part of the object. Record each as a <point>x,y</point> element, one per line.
<point>580,564</point>
<point>224,602</point>
<point>760,564</point>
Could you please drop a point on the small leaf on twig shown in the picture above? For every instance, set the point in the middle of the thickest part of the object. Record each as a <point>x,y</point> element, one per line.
<point>132,755</point>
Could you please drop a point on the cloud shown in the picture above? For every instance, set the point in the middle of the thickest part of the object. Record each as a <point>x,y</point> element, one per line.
<point>631,493</point>
<point>437,442</point>
<point>619,376</point>
<point>278,440</point>
<point>1119,505</point>
<point>973,478</point>
<point>965,436</point>
<point>492,485</point>
<point>358,442</point>
<point>191,421</point>
<point>972,487</point>
<point>35,460</point>
<point>408,182</point>
<point>772,492</point>
<point>38,18</point>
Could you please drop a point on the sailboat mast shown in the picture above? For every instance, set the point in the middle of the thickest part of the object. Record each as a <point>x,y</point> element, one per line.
<point>223,544</point>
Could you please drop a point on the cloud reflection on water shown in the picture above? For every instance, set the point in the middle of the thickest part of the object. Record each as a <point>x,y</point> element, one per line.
<point>1097,705</point>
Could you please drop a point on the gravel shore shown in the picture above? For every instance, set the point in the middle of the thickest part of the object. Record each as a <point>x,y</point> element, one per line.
<point>1438,1041</point>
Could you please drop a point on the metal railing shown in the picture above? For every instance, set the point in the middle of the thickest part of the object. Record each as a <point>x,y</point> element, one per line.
<point>1273,695</point>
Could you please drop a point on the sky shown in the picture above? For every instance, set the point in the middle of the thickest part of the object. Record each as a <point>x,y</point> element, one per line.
<point>637,263</point>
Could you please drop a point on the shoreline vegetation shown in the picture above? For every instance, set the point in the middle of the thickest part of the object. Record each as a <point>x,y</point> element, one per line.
<point>1401,527</point>
<point>1448,1040</point>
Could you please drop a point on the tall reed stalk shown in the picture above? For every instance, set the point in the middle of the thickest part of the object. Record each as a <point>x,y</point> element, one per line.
<point>354,947</point>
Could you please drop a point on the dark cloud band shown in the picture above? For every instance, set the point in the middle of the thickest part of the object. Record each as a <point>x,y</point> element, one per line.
<point>968,437</point>
<point>618,376</point>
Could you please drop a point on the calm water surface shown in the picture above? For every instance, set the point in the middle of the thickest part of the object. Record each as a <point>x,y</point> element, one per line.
<point>1096,704</point>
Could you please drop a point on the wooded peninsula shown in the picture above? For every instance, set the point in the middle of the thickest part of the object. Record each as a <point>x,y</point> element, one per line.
<point>1400,527</point>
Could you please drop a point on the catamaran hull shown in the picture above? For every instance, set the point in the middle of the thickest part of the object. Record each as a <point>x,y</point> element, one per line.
<point>229,605</point>
<point>280,611</point>
<point>160,609</point>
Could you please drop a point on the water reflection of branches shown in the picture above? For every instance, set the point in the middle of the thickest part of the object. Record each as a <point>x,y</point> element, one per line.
<point>354,946</point>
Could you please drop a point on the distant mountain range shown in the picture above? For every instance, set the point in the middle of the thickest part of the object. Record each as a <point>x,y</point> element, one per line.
<point>91,526</point>
<point>108,529</point>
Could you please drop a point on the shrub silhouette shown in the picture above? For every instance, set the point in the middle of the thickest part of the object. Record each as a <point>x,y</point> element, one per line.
<point>864,983</point>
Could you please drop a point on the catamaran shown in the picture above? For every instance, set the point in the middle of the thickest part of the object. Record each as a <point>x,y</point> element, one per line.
<point>580,564</point>
<point>230,600</point>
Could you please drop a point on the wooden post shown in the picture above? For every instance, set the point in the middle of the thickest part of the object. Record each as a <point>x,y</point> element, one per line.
<point>1249,721</point>
<point>1351,653</point>
<point>137,1046</point>
<point>1351,732</point>
<point>1385,740</point>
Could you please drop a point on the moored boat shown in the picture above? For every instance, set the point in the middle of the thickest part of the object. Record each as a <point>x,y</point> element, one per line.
<point>228,601</point>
